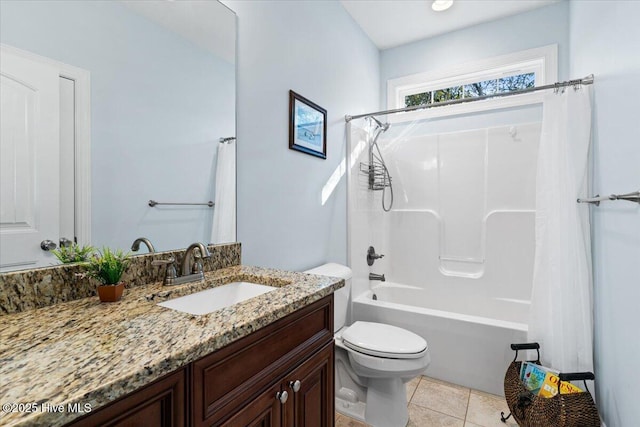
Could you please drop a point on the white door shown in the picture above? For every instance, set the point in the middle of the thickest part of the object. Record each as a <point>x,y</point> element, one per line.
<point>29,161</point>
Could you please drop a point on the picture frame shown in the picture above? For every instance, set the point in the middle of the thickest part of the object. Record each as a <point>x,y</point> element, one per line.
<point>307,126</point>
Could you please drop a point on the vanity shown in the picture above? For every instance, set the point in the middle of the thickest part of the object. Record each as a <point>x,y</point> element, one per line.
<point>264,361</point>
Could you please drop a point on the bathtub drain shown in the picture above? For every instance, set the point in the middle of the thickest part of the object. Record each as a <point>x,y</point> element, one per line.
<point>375,297</point>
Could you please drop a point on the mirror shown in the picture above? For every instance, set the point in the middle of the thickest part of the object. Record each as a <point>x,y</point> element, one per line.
<point>158,78</point>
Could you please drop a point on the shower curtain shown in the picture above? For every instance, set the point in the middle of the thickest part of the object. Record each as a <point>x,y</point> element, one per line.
<point>561,315</point>
<point>224,213</point>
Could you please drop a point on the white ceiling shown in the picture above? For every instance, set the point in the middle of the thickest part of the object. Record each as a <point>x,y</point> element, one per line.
<point>390,23</point>
<point>208,24</point>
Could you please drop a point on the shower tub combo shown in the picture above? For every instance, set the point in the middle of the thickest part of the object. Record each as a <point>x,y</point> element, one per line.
<point>458,237</point>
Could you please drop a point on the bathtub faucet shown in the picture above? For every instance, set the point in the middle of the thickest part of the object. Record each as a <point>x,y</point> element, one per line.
<point>373,276</point>
<point>372,256</point>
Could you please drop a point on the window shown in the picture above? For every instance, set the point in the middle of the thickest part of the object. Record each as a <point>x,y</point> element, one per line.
<point>526,69</point>
<point>473,90</point>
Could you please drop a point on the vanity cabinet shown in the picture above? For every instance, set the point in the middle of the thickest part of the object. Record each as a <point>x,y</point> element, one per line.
<point>302,398</point>
<point>279,376</point>
<point>161,403</point>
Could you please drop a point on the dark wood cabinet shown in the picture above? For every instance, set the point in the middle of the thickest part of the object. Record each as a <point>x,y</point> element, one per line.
<point>263,411</point>
<point>312,404</point>
<point>161,403</point>
<point>234,379</point>
<point>280,376</point>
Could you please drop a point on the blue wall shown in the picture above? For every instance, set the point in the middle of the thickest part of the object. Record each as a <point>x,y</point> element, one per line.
<point>317,50</point>
<point>540,27</point>
<point>157,112</point>
<point>605,41</point>
<point>599,37</point>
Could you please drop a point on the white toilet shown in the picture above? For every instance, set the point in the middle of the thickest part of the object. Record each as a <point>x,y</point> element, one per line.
<point>373,361</point>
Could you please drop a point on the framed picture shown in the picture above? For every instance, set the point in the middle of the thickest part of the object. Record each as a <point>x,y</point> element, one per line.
<point>307,126</point>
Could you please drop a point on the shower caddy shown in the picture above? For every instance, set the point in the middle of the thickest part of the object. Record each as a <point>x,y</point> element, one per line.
<point>561,410</point>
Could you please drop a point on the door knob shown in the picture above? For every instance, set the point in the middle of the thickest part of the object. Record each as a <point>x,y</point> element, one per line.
<point>64,242</point>
<point>47,245</point>
<point>295,385</point>
<point>282,396</point>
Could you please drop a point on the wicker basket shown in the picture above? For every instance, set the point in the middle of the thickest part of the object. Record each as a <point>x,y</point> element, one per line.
<point>562,410</point>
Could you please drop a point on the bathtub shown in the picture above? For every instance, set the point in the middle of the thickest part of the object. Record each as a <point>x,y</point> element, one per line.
<point>470,348</point>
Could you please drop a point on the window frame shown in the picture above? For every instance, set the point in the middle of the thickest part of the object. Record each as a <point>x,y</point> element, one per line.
<point>542,61</point>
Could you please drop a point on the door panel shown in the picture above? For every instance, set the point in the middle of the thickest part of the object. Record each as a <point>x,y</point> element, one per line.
<point>264,411</point>
<point>29,160</point>
<point>313,402</point>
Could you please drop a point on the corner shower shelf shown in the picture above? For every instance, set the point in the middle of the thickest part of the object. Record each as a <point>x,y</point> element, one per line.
<point>378,177</point>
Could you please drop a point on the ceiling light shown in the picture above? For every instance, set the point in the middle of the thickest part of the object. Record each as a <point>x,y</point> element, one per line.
<point>440,5</point>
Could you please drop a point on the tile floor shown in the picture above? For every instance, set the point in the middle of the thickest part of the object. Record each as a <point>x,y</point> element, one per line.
<point>435,403</point>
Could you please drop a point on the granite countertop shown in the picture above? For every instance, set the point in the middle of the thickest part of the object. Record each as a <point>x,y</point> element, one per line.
<point>90,353</point>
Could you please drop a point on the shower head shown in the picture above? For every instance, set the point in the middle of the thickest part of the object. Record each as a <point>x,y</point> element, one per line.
<point>383,126</point>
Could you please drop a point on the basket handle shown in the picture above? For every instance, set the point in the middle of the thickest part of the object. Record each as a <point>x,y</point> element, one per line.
<point>577,376</point>
<point>526,346</point>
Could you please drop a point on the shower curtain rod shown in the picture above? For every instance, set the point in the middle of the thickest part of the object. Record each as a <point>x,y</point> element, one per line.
<point>583,81</point>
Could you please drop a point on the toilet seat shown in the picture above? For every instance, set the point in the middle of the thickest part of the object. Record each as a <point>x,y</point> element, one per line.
<point>381,340</point>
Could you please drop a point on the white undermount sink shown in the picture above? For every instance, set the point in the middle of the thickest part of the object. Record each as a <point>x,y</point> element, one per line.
<point>210,300</point>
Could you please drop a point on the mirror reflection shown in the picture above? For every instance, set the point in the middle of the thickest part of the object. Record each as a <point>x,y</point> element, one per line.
<point>107,105</point>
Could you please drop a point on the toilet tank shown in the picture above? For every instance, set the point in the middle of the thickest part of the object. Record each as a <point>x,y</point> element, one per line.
<point>341,296</point>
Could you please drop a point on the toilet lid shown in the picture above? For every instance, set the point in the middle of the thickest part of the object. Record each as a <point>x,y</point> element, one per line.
<point>378,339</point>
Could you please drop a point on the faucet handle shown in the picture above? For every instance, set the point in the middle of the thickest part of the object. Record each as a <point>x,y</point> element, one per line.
<point>157,262</point>
<point>372,255</point>
<point>197,264</point>
<point>170,272</point>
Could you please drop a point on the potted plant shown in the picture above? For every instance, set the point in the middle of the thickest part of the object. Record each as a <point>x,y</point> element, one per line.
<point>107,267</point>
<point>73,253</point>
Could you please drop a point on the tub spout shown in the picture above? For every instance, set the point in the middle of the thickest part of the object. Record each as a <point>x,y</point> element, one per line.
<point>373,276</point>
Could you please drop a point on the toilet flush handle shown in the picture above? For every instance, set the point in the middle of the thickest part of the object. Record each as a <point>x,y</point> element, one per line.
<point>295,385</point>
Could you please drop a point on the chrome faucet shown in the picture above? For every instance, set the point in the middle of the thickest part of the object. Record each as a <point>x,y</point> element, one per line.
<point>373,276</point>
<point>136,245</point>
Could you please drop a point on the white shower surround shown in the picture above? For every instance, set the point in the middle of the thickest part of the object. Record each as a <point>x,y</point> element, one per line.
<point>469,312</point>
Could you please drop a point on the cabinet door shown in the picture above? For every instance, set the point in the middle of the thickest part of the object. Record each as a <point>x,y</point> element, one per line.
<point>264,411</point>
<point>313,402</point>
<point>227,380</point>
<point>160,404</point>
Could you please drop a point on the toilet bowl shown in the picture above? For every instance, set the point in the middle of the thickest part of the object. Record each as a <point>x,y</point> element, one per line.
<point>373,362</point>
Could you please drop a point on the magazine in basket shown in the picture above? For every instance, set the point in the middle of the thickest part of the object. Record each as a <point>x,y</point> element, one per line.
<point>543,381</point>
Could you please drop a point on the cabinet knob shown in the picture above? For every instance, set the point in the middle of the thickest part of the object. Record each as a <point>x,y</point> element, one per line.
<point>295,385</point>
<point>282,396</point>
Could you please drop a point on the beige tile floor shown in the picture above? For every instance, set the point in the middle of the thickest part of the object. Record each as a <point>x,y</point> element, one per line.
<point>435,403</point>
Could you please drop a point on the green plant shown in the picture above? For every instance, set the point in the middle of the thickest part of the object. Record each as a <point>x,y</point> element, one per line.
<point>108,265</point>
<point>73,253</point>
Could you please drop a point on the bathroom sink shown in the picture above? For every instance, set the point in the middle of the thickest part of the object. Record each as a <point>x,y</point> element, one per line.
<point>205,302</point>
